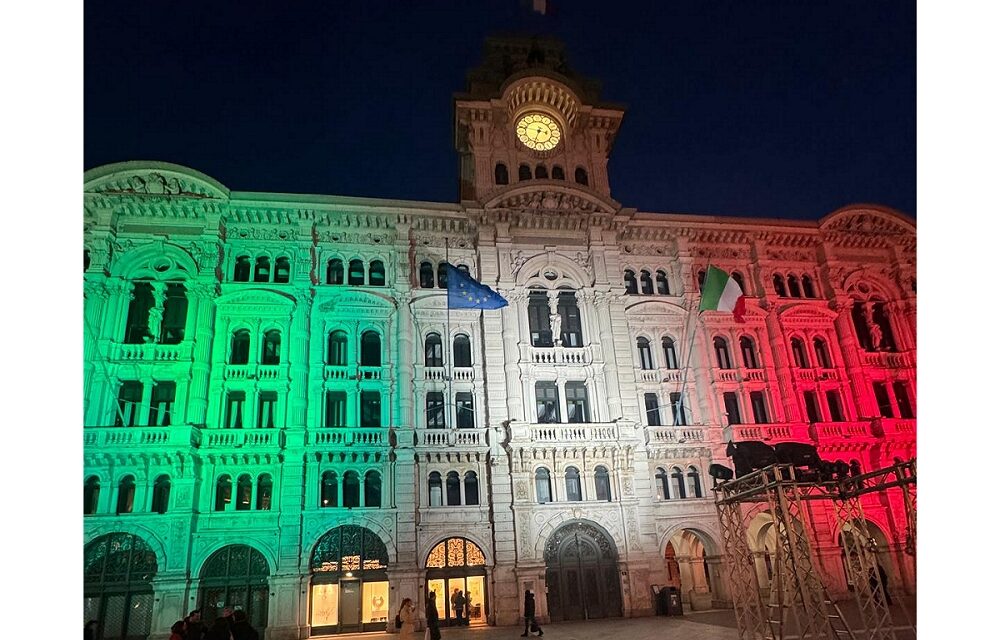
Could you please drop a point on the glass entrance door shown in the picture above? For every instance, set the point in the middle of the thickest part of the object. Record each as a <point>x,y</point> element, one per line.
<point>350,605</point>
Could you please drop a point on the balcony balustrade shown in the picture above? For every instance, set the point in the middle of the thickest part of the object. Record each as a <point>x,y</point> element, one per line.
<point>238,438</point>
<point>150,352</point>
<point>141,437</point>
<point>336,372</point>
<point>584,432</point>
<point>661,375</point>
<point>889,427</point>
<point>349,436</point>
<point>726,375</point>
<point>254,371</point>
<point>886,359</point>
<point>831,431</point>
<point>557,355</point>
<point>451,437</point>
<point>675,435</point>
<point>787,431</point>
<point>753,375</point>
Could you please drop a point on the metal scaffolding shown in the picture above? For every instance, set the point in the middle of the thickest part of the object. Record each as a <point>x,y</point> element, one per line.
<point>798,604</point>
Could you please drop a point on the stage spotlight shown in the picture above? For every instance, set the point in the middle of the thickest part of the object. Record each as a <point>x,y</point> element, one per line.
<point>719,472</point>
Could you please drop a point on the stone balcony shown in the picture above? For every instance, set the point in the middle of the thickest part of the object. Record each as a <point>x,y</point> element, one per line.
<point>150,352</point>
<point>675,435</point>
<point>895,427</point>
<point>557,355</point>
<point>738,375</point>
<point>823,432</point>
<point>368,437</point>
<point>584,433</point>
<point>811,375</point>
<point>886,359</point>
<point>450,438</point>
<point>151,438</point>
<point>256,371</point>
<point>772,432</point>
<point>257,439</point>
<point>353,372</point>
<point>661,375</point>
<point>459,374</point>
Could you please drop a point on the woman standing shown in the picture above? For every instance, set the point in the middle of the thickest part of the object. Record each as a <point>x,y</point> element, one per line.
<point>406,616</point>
<point>431,612</point>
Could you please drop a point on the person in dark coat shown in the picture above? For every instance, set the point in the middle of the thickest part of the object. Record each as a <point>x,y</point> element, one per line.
<point>458,606</point>
<point>195,627</point>
<point>241,627</point>
<point>431,613</point>
<point>529,615</point>
<point>219,630</point>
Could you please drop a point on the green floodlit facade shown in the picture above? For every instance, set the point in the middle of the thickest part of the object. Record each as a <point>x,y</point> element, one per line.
<point>281,415</point>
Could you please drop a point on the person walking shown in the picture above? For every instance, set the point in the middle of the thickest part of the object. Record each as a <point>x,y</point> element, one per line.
<point>407,618</point>
<point>529,615</point>
<point>431,613</point>
<point>458,606</point>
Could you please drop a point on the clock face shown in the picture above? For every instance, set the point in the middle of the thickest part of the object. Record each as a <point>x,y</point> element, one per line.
<point>538,131</point>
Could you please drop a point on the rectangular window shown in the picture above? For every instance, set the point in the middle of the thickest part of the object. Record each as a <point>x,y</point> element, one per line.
<point>678,410</point>
<point>882,398</point>
<point>234,409</point>
<point>162,403</point>
<point>174,314</point>
<point>833,402</point>
<point>336,408</point>
<point>465,415</point>
<point>538,320</point>
<point>902,399</point>
<point>137,320</point>
<point>435,410</point>
<point>572,330</point>
<point>652,410</point>
<point>546,402</point>
<point>759,407</point>
<point>266,408</point>
<point>129,399</point>
<point>371,409</point>
<point>576,402</point>
<point>732,408</point>
<point>812,406</point>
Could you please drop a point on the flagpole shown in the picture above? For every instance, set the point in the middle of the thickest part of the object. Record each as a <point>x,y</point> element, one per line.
<point>446,347</point>
<point>690,348</point>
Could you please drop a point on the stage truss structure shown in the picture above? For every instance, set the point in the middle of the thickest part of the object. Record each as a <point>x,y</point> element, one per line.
<point>798,604</point>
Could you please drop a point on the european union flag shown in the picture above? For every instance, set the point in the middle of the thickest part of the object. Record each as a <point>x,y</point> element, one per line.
<point>465,293</point>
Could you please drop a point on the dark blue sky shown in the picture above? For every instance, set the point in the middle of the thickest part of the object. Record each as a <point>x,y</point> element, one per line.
<point>784,109</point>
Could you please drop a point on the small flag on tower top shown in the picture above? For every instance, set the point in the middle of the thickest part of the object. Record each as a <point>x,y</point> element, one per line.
<point>721,292</point>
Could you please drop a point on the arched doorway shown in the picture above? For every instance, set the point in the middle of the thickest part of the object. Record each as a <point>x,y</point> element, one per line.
<point>235,577</point>
<point>581,573</point>
<point>350,587</point>
<point>118,570</point>
<point>875,541</point>
<point>457,563</point>
<point>688,569</point>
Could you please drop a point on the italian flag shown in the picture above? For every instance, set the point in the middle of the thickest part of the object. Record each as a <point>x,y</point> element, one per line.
<point>721,293</point>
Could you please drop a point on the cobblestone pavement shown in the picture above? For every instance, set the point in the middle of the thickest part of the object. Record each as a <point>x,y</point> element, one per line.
<point>700,625</point>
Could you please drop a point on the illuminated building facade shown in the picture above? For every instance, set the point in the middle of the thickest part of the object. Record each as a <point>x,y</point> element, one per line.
<point>282,415</point>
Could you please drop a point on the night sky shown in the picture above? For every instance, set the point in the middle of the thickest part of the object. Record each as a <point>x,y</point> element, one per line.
<point>752,108</point>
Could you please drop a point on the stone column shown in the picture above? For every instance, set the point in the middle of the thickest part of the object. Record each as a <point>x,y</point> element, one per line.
<point>169,603</point>
<point>201,336</point>
<point>283,610</point>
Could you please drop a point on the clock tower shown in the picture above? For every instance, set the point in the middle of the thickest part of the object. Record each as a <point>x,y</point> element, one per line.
<point>526,116</point>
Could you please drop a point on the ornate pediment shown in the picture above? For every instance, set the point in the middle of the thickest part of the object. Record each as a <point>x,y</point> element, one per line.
<point>642,307</point>
<point>551,195</point>
<point>256,298</point>
<point>152,179</point>
<point>356,299</point>
<point>869,227</point>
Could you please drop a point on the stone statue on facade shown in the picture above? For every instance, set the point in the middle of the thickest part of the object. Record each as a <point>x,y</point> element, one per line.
<point>874,330</point>
<point>555,323</point>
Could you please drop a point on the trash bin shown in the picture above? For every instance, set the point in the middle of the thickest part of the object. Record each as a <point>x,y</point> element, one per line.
<point>660,597</point>
<point>673,598</point>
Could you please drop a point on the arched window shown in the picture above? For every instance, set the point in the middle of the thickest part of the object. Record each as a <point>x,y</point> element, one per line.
<point>722,353</point>
<point>336,349</point>
<point>541,173</point>
<point>356,272</point>
<point>677,483</point>
<point>91,494</point>
<point>244,491</point>
<point>645,353</point>
<point>373,489</point>
<point>538,319</point>
<point>749,353</point>
<point>779,285</point>
<point>524,172</point>
<point>631,286</point>
<point>433,356</point>
<point>126,495</point>
<point>453,489</point>
<point>500,174</point>
<point>434,489</point>
<point>426,275</point>
<point>662,484</point>
<point>543,485</point>
<point>602,484</point>
<point>807,287</point>
<point>271,353</point>
<point>822,353</point>
<point>738,279</point>
<point>376,273</point>
<point>662,286</point>
<point>335,271</point>
<point>462,351</point>
<point>264,486</point>
<point>793,287</point>
<point>693,483</point>
<point>558,173</point>
<point>799,354</point>
<point>239,352</point>
<point>464,268</point>
<point>571,330</point>
<point>161,494</point>
<point>137,320</point>
<point>352,489</point>
<point>262,271</point>
<point>442,275</point>
<point>574,492</point>
<point>701,280</point>
<point>175,307</point>
<point>282,270</point>
<point>223,492</point>
<point>669,353</point>
<point>646,282</point>
<point>371,349</point>
<point>471,488</point>
<point>241,271</point>
<point>581,176</point>
<point>328,490</point>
